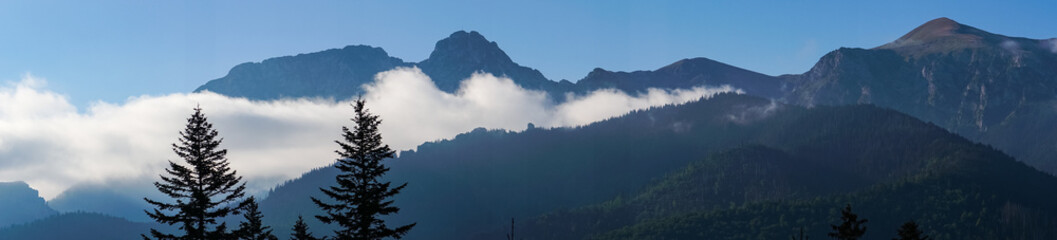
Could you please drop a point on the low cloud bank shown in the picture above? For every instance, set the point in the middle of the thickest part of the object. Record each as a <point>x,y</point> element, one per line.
<point>46,142</point>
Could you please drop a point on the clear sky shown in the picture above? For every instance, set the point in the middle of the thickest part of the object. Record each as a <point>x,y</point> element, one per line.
<point>111,50</point>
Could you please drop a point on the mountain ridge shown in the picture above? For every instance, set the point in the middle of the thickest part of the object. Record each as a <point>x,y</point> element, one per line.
<point>19,203</point>
<point>987,87</point>
<point>454,59</point>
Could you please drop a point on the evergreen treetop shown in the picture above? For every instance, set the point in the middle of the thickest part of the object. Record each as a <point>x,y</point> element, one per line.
<point>851,228</point>
<point>204,190</point>
<point>361,197</point>
<point>253,228</point>
<point>301,231</point>
<point>910,231</point>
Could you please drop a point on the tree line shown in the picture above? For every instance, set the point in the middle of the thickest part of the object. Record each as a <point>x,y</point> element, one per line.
<point>853,228</point>
<point>203,189</point>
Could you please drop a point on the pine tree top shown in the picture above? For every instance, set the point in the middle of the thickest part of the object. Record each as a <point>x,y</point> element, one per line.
<point>203,188</point>
<point>360,195</point>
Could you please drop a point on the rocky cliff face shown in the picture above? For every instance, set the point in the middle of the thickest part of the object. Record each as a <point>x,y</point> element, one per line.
<point>984,86</point>
<point>20,204</point>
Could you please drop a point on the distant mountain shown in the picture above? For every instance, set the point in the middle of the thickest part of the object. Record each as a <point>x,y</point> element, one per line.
<point>686,73</point>
<point>109,200</point>
<point>988,87</point>
<point>340,73</point>
<point>334,73</point>
<point>992,88</point>
<point>19,204</point>
<point>79,226</point>
<point>463,53</point>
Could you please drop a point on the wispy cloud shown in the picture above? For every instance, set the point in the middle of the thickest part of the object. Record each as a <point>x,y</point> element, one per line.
<point>1050,44</point>
<point>46,142</point>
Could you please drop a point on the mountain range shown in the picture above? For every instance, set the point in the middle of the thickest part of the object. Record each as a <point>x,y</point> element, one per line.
<point>987,87</point>
<point>889,129</point>
<point>340,73</point>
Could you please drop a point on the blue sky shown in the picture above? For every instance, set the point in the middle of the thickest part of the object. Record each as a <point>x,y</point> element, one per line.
<point>111,50</point>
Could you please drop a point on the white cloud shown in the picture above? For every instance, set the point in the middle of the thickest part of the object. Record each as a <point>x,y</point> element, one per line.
<point>46,142</point>
<point>1010,45</point>
<point>1051,44</point>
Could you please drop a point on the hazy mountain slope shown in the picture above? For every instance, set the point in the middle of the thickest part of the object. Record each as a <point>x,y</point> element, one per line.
<point>78,226</point>
<point>987,87</point>
<point>686,73</point>
<point>108,200</point>
<point>19,204</point>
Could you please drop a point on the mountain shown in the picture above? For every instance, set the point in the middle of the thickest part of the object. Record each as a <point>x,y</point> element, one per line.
<point>334,73</point>
<point>988,87</point>
<point>485,176</point>
<point>686,73</point>
<point>959,189</point>
<point>79,226</point>
<point>472,185</point>
<point>463,53</point>
<point>105,199</point>
<point>19,204</point>
<point>991,88</point>
<point>339,73</point>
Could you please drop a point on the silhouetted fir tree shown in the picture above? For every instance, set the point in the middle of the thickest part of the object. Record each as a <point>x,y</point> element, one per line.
<point>301,231</point>
<point>851,228</point>
<point>203,191</point>
<point>361,197</point>
<point>801,237</point>
<point>910,231</point>
<point>510,236</point>
<point>253,228</point>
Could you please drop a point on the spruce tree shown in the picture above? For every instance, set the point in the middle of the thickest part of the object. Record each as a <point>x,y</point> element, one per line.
<point>203,191</point>
<point>910,231</point>
<point>301,231</point>
<point>253,228</point>
<point>362,198</point>
<point>851,228</point>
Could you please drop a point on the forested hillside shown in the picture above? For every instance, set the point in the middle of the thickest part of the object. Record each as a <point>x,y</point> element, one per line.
<point>472,184</point>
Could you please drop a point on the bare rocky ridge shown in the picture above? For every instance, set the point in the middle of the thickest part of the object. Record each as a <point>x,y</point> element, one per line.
<point>991,88</point>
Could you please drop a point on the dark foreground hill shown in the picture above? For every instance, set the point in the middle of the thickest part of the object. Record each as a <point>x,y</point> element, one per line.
<point>960,191</point>
<point>786,156</point>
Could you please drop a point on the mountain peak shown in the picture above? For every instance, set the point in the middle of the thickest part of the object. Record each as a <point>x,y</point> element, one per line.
<point>936,28</point>
<point>20,203</point>
<point>468,47</point>
<point>463,53</point>
<point>942,35</point>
